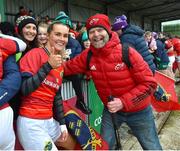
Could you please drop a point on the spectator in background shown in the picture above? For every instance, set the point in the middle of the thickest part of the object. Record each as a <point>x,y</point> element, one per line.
<point>150,41</point>
<point>74,34</point>
<point>161,57</point>
<point>84,40</point>
<point>161,36</point>
<point>7,28</point>
<point>171,55</point>
<point>42,36</point>
<point>134,36</point>
<point>176,46</point>
<point>38,19</point>
<point>83,29</point>
<point>47,19</point>
<point>74,26</point>
<point>22,12</point>
<point>169,51</point>
<point>30,13</point>
<point>79,26</point>
<point>27,31</point>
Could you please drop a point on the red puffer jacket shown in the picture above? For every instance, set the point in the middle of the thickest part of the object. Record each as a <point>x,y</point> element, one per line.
<point>176,44</point>
<point>112,77</point>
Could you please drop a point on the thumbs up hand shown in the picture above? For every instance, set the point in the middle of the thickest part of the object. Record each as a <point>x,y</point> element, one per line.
<point>55,60</point>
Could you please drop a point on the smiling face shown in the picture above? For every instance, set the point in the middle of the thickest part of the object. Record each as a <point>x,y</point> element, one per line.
<point>86,44</point>
<point>98,37</point>
<point>42,35</point>
<point>58,37</point>
<point>29,32</point>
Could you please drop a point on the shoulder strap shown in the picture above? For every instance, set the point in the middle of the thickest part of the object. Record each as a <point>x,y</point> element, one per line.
<point>89,55</point>
<point>125,55</point>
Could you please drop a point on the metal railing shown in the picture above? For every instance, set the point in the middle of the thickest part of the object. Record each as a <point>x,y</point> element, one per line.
<point>68,92</point>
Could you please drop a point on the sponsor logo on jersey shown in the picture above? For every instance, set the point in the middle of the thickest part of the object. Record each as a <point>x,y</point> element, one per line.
<point>51,84</point>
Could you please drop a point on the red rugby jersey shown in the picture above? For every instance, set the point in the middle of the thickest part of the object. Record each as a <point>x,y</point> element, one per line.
<point>39,103</point>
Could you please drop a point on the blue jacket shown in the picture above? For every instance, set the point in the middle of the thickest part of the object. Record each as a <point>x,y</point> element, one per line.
<point>11,81</point>
<point>161,53</point>
<point>75,47</point>
<point>133,35</point>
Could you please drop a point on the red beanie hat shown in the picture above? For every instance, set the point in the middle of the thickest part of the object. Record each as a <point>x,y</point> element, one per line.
<point>99,20</point>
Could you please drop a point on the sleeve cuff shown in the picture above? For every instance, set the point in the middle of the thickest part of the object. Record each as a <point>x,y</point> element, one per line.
<point>63,128</point>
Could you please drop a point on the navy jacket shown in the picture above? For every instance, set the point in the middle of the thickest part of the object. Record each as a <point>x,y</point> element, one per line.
<point>11,81</point>
<point>161,52</point>
<point>133,35</point>
<point>75,47</point>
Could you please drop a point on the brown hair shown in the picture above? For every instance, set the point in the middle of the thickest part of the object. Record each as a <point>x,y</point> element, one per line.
<point>50,28</point>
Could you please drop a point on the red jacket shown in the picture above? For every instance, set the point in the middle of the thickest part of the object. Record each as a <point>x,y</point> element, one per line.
<point>7,47</point>
<point>112,77</point>
<point>176,44</point>
<point>168,45</point>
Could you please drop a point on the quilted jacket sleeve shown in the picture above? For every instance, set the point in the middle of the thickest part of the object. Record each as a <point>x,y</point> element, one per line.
<point>11,81</point>
<point>145,82</point>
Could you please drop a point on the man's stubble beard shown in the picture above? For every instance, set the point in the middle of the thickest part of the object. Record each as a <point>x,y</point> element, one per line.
<point>103,43</point>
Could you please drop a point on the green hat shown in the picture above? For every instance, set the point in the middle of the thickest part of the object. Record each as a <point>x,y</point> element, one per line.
<point>63,18</point>
<point>85,36</point>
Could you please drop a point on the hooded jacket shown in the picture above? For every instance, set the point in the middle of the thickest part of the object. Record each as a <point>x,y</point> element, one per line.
<point>111,76</point>
<point>133,35</point>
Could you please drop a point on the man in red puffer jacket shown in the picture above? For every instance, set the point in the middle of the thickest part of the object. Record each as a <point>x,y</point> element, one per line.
<point>131,88</point>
